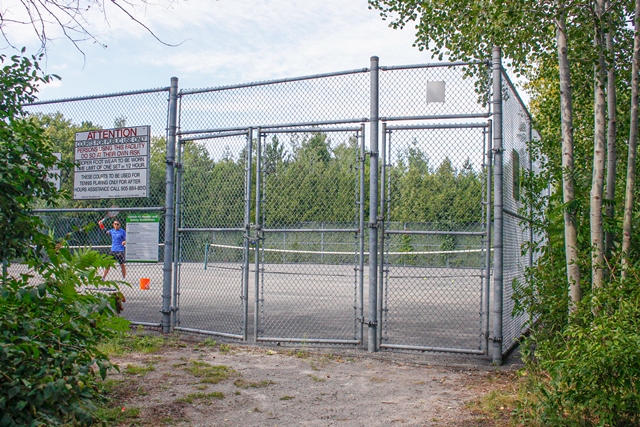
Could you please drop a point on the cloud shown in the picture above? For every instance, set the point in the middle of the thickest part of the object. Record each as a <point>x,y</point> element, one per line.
<point>226,42</point>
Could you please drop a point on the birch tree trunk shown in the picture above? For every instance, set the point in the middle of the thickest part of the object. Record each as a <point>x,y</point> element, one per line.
<point>568,190</point>
<point>612,156</point>
<point>599,154</point>
<point>633,142</point>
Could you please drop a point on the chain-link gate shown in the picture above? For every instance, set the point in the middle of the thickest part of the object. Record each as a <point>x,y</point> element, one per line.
<point>310,242</point>
<point>284,209</point>
<point>214,202</point>
<point>434,251</point>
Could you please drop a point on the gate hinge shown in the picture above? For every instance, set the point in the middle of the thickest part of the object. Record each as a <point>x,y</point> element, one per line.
<point>372,323</point>
<point>495,339</point>
<point>374,225</point>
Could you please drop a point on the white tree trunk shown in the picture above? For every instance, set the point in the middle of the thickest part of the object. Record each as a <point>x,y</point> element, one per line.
<point>599,154</point>
<point>568,191</point>
<point>612,157</point>
<point>633,142</point>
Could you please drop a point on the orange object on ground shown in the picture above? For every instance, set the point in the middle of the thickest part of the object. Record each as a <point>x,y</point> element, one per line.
<point>144,283</point>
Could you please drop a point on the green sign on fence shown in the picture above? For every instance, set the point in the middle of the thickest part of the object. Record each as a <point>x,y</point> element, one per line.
<point>143,234</point>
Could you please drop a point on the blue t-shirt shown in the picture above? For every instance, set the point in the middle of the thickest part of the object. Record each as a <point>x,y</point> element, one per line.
<point>117,237</point>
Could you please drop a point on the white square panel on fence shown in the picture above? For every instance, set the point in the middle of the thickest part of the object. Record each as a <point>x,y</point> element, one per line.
<point>435,91</point>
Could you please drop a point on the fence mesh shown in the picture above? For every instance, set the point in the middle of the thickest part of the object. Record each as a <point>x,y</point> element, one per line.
<point>62,119</point>
<point>340,96</point>
<point>435,187</point>
<point>272,195</point>
<point>517,133</point>
<point>438,90</point>
<point>211,263</point>
<point>309,279</point>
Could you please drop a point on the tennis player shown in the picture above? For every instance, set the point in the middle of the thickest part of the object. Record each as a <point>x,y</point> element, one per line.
<point>118,242</point>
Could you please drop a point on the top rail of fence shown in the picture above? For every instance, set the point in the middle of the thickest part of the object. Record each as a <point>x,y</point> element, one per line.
<point>271,82</point>
<point>106,95</point>
<point>432,65</point>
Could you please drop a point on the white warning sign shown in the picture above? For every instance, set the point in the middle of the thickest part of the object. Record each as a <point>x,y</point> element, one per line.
<point>112,163</point>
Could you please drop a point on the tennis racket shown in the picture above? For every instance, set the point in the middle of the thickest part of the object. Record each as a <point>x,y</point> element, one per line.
<point>110,214</point>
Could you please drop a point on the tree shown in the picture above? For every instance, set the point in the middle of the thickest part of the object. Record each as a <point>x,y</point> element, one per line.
<point>633,141</point>
<point>576,34</point>
<point>44,18</point>
<point>61,134</point>
<point>49,328</point>
<point>25,156</point>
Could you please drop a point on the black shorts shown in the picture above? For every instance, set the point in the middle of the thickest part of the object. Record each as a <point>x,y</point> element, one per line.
<point>119,256</point>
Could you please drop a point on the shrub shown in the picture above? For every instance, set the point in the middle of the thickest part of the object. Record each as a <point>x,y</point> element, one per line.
<point>588,373</point>
<point>51,319</point>
<point>49,333</point>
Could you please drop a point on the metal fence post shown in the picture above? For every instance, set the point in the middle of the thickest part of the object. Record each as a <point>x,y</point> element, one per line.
<point>383,182</point>
<point>176,237</point>
<point>169,206</point>
<point>487,279</point>
<point>256,313</point>
<point>361,213</point>
<point>497,207</point>
<point>373,207</point>
<point>247,236</point>
<point>530,154</point>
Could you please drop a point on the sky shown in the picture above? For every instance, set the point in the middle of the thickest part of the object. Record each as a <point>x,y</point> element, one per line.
<point>219,42</point>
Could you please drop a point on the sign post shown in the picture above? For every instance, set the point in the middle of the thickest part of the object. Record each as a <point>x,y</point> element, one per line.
<point>112,163</point>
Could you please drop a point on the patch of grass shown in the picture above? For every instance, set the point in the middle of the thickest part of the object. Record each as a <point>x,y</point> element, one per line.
<point>110,409</point>
<point>190,398</point>
<point>224,348</point>
<point>212,374</point>
<point>299,353</point>
<point>317,379</point>
<point>139,370</point>
<point>117,415</point>
<point>237,393</point>
<point>110,385</point>
<point>126,343</point>
<point>499,403</point>
<point>243,384</point>
<point>207,343</point>
<point>287,398</point>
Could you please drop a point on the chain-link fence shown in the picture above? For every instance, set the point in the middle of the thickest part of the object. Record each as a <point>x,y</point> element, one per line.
<point>517,135</point>
<point>288,228</point>
<point>119,159</point>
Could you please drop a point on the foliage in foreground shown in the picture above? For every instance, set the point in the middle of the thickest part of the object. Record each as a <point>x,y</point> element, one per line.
<point>586,372</point>
<point>51,319</point>
<point>48,341</point>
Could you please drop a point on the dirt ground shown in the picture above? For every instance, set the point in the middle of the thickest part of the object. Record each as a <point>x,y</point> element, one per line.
<point>213,384</point>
